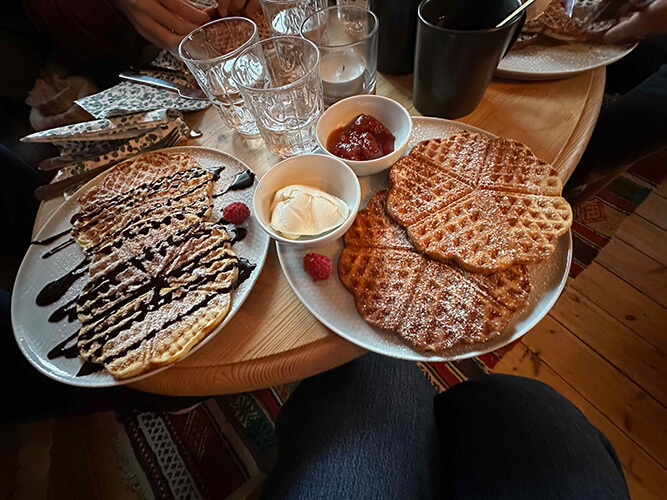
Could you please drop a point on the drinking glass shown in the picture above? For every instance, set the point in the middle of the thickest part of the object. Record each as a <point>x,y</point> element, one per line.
<point>279,79</point>
<point>348,43</point>
<point>285,17</point>
<point>210,52</point>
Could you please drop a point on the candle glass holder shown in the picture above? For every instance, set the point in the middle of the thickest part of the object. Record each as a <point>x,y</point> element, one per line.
<point>347,39</point>
<point>209,53</point>
<point>280,81</point>
<point>285,17</point>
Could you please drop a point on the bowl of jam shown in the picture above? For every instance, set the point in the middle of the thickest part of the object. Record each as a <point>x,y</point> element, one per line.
<point>368,132</point>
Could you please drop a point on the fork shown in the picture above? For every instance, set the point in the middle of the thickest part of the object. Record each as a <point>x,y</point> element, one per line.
<point>49,191</point>
<point>61,161</point>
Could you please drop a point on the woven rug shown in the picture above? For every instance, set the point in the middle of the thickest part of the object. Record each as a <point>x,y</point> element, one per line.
<point>224,447</point>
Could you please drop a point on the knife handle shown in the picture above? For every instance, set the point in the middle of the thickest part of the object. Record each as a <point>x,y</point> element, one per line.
<point>48,191</point>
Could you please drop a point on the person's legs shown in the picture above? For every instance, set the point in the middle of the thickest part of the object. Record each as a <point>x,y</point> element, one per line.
<point>627,131</point>
<point>364,430</point>
<point>506,437</point>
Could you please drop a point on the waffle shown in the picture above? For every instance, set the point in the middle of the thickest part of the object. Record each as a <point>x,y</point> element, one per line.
<point>484,204</point>
<point>160,275</point>
<point>430,304</point>
<point>524,40</point>
<point>151,316</point>
<point>554,22</point>
<point>156,183</point>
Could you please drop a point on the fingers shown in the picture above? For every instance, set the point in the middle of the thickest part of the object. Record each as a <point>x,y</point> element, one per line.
<point>223,8</point>
<point>171,21</point>
<point>186,11</point>
<point>626,31</point>
<point>155,33</point>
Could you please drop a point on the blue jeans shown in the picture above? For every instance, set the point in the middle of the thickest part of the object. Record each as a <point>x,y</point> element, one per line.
<point>374,429</point>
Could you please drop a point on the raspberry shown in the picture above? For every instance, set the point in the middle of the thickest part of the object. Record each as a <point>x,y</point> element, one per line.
<point>236,212</point>
<point>318,266</point>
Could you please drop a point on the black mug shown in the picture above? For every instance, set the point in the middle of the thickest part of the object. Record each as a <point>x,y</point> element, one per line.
<point>458,50</point>
<point>396,34</point>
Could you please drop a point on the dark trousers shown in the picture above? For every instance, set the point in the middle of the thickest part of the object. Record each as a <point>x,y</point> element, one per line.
<point>374,429</point>
<point>631,128</point>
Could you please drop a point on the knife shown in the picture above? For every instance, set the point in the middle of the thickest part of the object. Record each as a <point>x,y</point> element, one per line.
<point>183,90</point>
<point>49,191</point>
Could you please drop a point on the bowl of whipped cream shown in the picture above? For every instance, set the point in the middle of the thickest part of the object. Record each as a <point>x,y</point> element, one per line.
<point>308,200</point>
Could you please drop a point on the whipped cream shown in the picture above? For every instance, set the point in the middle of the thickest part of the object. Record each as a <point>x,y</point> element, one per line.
<point>299,210</point>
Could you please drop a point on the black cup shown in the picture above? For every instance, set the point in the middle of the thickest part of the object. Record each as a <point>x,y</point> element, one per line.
<point>458,49</point>
<point>396,34</point>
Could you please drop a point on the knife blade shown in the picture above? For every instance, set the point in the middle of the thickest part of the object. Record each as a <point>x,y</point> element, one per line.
<point>183,90</point>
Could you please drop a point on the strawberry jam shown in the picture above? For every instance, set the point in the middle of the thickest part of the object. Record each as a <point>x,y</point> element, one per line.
<point>364,138</point>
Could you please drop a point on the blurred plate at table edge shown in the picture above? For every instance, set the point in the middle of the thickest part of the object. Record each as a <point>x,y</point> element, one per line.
<point>520,74</point>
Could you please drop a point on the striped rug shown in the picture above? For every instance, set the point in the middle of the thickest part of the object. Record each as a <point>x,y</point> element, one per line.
<point>224,447</point>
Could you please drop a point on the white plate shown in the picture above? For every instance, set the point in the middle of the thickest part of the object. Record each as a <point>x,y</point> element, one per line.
<point>36,336</point>
<point>333,305</point>
<point>551,60</point>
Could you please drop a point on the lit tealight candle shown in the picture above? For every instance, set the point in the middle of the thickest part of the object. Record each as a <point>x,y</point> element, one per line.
<point>342,75</point>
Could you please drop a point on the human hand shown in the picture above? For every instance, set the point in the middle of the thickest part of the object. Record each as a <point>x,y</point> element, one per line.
<point>650,20</point>
<point>163,22</point>
<point>238,7</point>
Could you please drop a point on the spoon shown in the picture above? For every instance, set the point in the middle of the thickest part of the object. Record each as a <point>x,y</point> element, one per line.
<point>522,7</point>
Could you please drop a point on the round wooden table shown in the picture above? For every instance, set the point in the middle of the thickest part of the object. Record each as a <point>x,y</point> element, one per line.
<point>273,339</point>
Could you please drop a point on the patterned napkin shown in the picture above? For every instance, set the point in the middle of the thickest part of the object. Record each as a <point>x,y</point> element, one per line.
<point>102,141</point>
<point>121,127</point>
<point>104,151</point>
<point>130,97</point>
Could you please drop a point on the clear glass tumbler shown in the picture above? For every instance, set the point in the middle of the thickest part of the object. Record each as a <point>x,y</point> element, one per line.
<point>280,81</point>
<point>210,52</point>
<point>347,37</point>
<point>284,17</point>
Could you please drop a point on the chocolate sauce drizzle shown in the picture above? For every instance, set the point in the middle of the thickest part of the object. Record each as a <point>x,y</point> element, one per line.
<point>67,310</point>
<point>239,234</point>
<point>57,249</point>
<point>51,239</point>
<point>62,350</point>
<point>104,305</point>
<point>105,295</point>
<point>242,180</point>
<point>56,289</point>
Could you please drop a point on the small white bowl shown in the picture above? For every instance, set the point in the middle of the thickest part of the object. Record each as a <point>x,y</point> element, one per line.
<point>394,116</point>
<point>328,173</point>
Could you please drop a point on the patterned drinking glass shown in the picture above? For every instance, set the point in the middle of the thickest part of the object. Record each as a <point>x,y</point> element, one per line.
<point>280,81</point>
<point>347,37</point>
<point>284,17</point>
<point>210,52</point>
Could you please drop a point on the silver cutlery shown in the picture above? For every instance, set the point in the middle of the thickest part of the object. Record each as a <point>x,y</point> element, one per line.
<point>62,161</point>
<point>49,191</point>
<point>184,91</point>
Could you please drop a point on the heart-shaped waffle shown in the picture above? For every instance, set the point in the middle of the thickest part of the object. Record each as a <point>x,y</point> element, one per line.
<point>432,305</point>
<point>485,204</point>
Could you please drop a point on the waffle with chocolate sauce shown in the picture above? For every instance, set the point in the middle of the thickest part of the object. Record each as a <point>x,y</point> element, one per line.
<point>432,305</point>
<point>160,275</point>
<point>140,188</point>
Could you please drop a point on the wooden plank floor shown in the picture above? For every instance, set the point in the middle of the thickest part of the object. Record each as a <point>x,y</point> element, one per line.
<point>603,346</point>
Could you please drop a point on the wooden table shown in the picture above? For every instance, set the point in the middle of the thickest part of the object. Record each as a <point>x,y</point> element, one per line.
<point>273,339</point>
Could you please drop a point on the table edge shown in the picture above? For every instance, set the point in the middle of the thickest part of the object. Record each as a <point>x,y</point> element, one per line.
<point>570,154</point>
<point>275,369</point>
